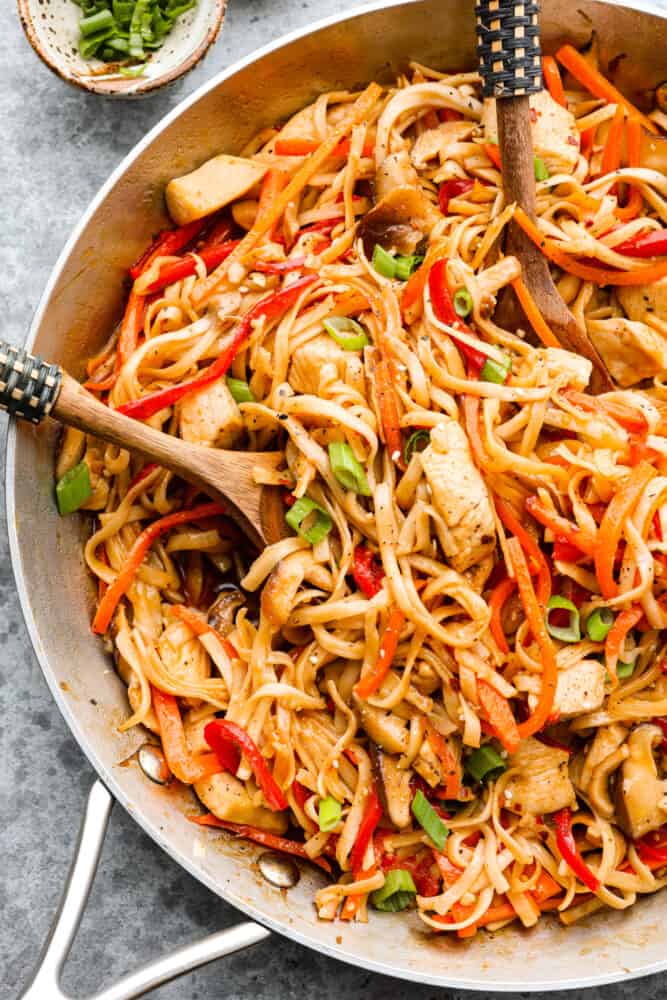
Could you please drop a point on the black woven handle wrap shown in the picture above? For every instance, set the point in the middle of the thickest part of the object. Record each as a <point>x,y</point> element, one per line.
<point>508,46</point>
<point>28,386</point>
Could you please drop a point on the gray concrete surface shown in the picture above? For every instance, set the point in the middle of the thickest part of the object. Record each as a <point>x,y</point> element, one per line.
<point>57,147</point>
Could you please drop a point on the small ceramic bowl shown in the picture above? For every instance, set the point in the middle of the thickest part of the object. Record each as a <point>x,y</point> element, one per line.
<point>52,28</point>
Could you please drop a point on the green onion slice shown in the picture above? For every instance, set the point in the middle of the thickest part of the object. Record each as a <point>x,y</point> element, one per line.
<point>347,469</point>
<point>347,333</point>
<point>496,371</point>
<point>405,266</point>
<point>599,623</point>
<point>398,891</point>
<point>309,520</point>
<point>329,814</point>
<point>73,489</point>
<point>624,670</point>
<point>99,21</point>
<point>485,764</point>
<point>428,819</point>
<point>132,71</point>
<point>416,442</point>
<point>541,170</point>
<point>240,390</point>
<point>463,303</point>
<point>566,633</point>
<point>383,262</point>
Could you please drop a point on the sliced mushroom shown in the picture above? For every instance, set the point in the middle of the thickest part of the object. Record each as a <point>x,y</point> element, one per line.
<point>398,222</point>
<point>641,805</point>
<point>384,728</point>
<point>394,787</point>
<point>222,613</point>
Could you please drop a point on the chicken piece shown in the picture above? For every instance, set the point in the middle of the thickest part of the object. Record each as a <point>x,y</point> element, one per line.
<point>309,360</point>
<point>183,656</point>
<point>579,689</point>
<point>631,350</point>
<point>637,300</point>
<point>211,417</point>
<point>542,783</point>
<point>209,187</point>
<point>459,495</point>
<point>641,797</point>
<point>438,142</point>
<point>228,798</point>
<point>573,366</point>
<point>553,128</point>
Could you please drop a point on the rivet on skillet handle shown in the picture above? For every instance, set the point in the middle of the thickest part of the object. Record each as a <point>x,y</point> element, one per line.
<point>508,47</point>
<point>28,386</point>
<point>45,981</point>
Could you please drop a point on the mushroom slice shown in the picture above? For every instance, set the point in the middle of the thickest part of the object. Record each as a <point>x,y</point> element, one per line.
<point>641,805</point>
<point>394,786</point>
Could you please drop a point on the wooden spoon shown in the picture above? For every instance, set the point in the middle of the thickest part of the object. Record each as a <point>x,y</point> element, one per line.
<point>32,389</point>
<point>510,66</point>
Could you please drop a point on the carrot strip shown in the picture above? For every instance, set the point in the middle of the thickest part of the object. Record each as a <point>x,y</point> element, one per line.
<point>118,588</point>
<point>199,626</point>
<point>561,527</point>
<point>552,78</point>
<point>619,508</point>
<point>304,147</point>
<point>471,416</point>
<point>616,637</point>
<point>493,153</point>
<point>179,758</point>
<point>598,85</point>
<point>361,109</point>
<point>414,289</point>
<point>535,618</point>
<point>611,154</point>
<point>631,418</point>
<point>273,183</point>
<point>450,765</point>
<point>368,684</point>
<point>499,714</point>
<point>635,203</point>
<point>533,314</point>
<point>497,601</point>
<point>511,521</point>
<point>599,275</point>
<point>545,888</point>
<point>388,407</point>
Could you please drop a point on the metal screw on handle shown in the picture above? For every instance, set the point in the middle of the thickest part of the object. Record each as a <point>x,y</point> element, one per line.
<point>508,47</point>
<point>45,981</point>
<point>28,386</point>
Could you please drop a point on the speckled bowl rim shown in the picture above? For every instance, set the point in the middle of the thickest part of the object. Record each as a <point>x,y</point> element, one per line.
<point>123,88</point>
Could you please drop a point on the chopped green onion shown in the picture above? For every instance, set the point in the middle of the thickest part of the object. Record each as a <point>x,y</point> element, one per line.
<point>309,520</point>
<point>599,623</point>
<point>541,170</point>
<point>566,633</point>
<point>405,266</point>
<point>496,371</point>
<point>136,39</point>
<point>428,819</point>
<point>73,489</point>
<point>347,333</point>
<point>329,814</point>
<point>398,891</point>
<point>624,670</point>
<point>414,443</point>
<point>463,303</point>
<point>89,46</point>
<point>347,469</point>
<point>132,71</point>
<point>485,764</point>
<point>383,262</point>
<point>240,390</point>
<point>100,21</point>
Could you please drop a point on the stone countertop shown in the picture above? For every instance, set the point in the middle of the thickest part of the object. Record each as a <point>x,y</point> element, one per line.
<point>59,145</point>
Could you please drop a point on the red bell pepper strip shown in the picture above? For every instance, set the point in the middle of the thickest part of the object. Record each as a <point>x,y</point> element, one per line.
<point>569,851</point>
<point>371,681</point>
<point>269,308</point>
<point>181,761</point>
<point>279,266</point>
<point>166,244</point>
<point>142,474</point>
<point>453,188</point>
<point>565,551</point>
<point>271,840</point>
<point>653,846</point>
<point>367,571</point>
<point>180,269</point>
<point>653,244</point>
<point>131,327</point>
<point>443,307</point>
<point>118,588</point>
<point>583,539</point>
<point>371,818</point>
<point>228,740</point>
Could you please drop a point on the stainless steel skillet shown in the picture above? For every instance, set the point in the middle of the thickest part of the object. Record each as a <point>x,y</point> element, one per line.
<point>81,302</point>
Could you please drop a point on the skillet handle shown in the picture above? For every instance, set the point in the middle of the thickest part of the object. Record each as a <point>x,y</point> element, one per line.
<point>45,980</point>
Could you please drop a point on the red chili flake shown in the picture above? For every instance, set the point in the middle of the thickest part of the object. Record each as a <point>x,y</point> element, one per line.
<point>289,499</point>
<point>533,115</point>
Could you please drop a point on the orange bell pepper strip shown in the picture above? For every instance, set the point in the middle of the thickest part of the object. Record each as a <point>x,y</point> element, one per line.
<point>599,275</point>
<point>611,154</point>
<point>511,521</point>
<point>499,714</point>
<point>535,617</point>
<point>119,587</point>
<point>635,203</point>
<point>619,508</point>
<point>598,84</point>
<point>414,288</point>
<point>613,644</point>
<point>493,153</point>
<point>561,527</point>
<point>371,681</point>
<point>552,78</point>
<point>388,407</point>
<point>499,596</point>
<point>533,314</point>
<point>263,837</point>
<point>181,761</point>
